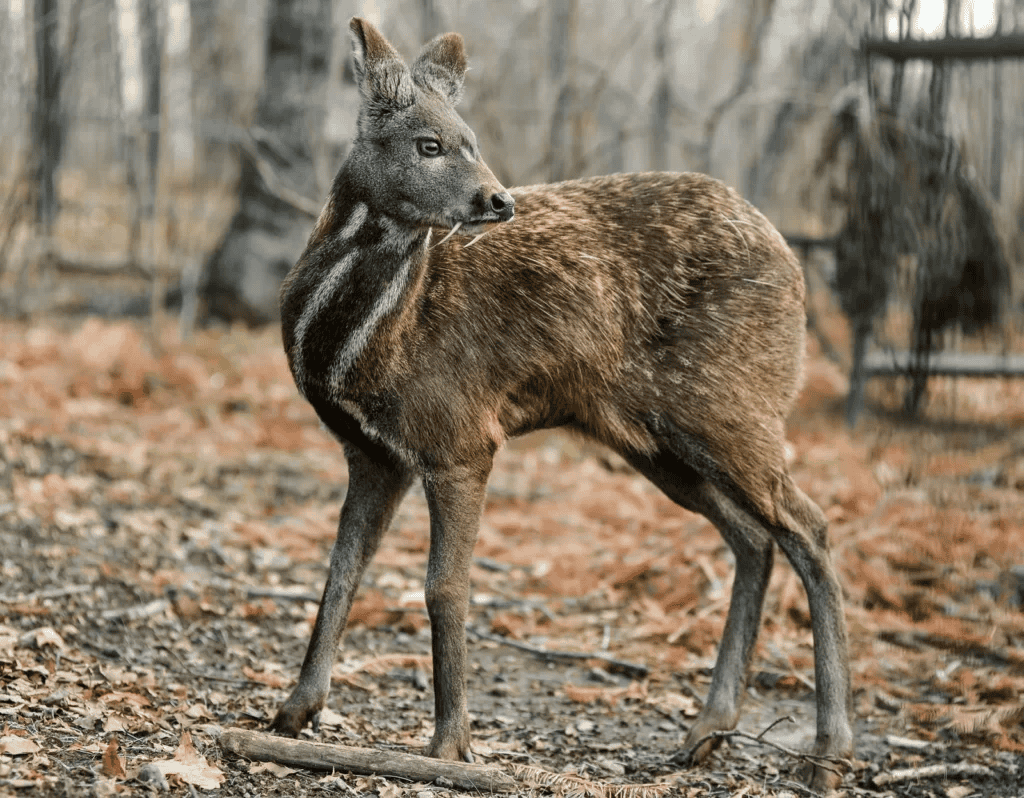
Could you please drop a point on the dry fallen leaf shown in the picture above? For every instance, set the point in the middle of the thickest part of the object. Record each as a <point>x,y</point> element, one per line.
<point>191,767</point>
<point>16,746</point>
<point>112,764</point>
<point>273,768</point>
<point>8,637</point>
<point>269,678</point>
<point>42,637</point>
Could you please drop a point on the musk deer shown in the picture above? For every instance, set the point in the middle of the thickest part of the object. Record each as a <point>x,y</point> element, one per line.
<point>659,314</point>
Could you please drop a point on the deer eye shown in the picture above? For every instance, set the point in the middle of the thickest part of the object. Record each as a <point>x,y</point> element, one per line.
<point>428,148</point>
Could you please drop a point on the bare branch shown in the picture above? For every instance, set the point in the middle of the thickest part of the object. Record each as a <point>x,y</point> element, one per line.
<point>943,771</point>
<point>630,669</point>
<point>369,761</point>
<point>960,48</point>
<point>833,764</point>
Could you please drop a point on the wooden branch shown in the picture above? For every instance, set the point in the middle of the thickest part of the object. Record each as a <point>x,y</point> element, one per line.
<point>915,641</point>
<point>291,593</point>
<point>833,764</point>
<point>274,185</point>
<point>944,771</point>
<point>959,48</point>
<point>945,364</point>
<point>801,241</point>
<point>366,761</point>
<point>42,595</point>
<point>616,665</point>
<point>96,265</point>
<point>744,80</point>
<point>136,611</point>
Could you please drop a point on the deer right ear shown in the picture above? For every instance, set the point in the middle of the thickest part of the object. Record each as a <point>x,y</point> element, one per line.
<point>441,66</point>
<point>383,78</point>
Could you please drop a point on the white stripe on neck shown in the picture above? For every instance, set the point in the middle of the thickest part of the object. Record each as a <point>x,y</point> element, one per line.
<point>315,305</point>
<point>355,221</point>
<point>387,300</point>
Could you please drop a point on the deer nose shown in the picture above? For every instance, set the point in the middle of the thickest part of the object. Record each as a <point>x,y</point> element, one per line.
<point>503,205</point>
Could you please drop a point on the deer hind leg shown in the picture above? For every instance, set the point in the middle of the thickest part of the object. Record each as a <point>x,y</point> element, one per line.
<point>801,531</point>
<point>802,534</point>
<point>752,546</point>
<point>374,493</point>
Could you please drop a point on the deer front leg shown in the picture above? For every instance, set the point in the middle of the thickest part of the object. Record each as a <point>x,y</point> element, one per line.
<point>374,493</point>
<point>455,499</point>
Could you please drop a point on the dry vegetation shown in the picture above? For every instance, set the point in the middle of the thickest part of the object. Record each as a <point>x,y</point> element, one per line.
<point>167,511</point>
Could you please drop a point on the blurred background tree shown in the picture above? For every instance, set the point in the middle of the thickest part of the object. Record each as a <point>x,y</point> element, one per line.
<point>169,155</point>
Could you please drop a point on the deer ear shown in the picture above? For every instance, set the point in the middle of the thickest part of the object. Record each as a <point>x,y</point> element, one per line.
<point>441,66</point>
<point>383,77</point>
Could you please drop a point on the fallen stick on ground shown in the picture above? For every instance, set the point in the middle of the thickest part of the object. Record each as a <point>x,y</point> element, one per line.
<point>42,595</point>
<point>931,772</point>
<point>616,665</point>
<point>830,763</point>
<point>136,612</point>
<point>366,761</point>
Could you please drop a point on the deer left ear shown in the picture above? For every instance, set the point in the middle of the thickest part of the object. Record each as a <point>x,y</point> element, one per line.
<point>441,66</point>
<point>383,78</point>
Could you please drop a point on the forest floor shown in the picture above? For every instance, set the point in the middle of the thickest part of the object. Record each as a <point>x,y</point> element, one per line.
<point>166,513</point>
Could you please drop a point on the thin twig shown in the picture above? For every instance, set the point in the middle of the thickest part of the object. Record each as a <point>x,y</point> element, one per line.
<point>282,593</point>
<point>184,666</point>
<point>272,183</point>
<point>137,611</point>
<point>773,724</point>
<point>943,771</point>
<point>48,593</point>
<point>630,669</point>
<point>829,763</point>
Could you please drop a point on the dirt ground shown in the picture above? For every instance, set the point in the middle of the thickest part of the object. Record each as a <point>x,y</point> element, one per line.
<point>166,512</point>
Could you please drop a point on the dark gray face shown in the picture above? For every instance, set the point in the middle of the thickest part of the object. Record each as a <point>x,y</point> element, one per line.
<point>414,152</point>
<point>425,168</point>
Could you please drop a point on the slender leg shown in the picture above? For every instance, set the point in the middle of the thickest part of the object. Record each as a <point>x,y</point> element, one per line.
<point>455,498</point>
<point>374,493</point>
<point>803,537</point>
<point>802,534</point>
<point>754,552</point>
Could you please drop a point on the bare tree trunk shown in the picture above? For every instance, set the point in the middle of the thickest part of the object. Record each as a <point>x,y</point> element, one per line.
<point>996,153</point>
<point>47,116</point>
<point>663,92</point>
<point>278,178</point>
<point>431,19</point>
<point>152,51</point>
<point>560,60</point>
<point>760,22</point>
<point>143,157</point>
<point>932,251</point>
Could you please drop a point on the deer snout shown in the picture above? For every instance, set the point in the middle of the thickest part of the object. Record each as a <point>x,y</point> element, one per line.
<point>503,205</point>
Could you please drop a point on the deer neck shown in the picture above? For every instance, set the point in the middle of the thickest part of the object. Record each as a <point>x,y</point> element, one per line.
<point>359,269</point>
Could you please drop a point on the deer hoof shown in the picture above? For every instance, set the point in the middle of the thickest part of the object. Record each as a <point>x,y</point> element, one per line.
<point>699,742</point>
<point>821,779</point>
<point>293,717</point>
<point>451,747</point>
